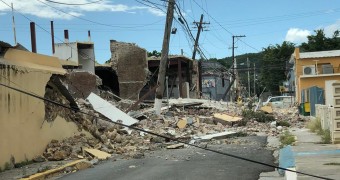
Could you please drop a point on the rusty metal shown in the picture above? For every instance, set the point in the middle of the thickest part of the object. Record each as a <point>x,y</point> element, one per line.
<point>52,37</point>
<point>33,37</point>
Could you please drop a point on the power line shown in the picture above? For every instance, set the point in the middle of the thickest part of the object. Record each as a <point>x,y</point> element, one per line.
<point>158,135</point>
<point>91,21</point>
<point>74,4</point>
<point>223,26</point>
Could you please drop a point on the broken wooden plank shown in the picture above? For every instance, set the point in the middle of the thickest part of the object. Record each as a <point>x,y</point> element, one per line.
<point>175,146</point>
<point>101,155</point>
<point>225,119</point>
<point>110,111</point>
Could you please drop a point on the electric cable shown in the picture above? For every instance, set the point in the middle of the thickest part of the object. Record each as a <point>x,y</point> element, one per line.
<point>74,4</point>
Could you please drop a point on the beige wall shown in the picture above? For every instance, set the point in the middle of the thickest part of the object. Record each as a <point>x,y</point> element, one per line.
<point>21,116</point>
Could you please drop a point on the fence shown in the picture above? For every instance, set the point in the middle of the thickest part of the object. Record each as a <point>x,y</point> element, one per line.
<point>328,121</point>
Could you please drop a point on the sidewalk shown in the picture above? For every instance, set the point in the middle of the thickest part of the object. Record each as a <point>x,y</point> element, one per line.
<point>312,157</point>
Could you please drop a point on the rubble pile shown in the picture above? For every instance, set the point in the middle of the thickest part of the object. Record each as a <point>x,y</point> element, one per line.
<point>191,122</point>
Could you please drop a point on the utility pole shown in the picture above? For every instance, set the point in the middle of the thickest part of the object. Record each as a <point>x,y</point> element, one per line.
<point>234,63</point>
<point>248,65</point>
<point>164,57</point>
<point>199,29</point>
<point>254,81</point>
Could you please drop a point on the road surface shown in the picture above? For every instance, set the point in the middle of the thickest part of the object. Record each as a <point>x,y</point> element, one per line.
<point>187,163</point>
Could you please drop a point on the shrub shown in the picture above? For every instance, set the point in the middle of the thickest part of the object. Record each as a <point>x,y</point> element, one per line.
<point>283,123</point>
<point>315,126</point>
<point>326,136</point>
<point>287,139</point>
<point>258,116</point>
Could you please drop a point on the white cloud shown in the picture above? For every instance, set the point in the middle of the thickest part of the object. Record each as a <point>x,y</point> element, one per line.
<point>297,35</point>
<point>329,30</point>
<point>39,9</point>
<point>156,12</point>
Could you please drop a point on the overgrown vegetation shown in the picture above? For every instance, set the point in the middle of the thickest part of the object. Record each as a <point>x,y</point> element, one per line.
<point>7,166</point>
<point>283,123</point>
<point>326,136</point>
<point>287,139</point>
<point>23,163</point>
<point>315,126</point>
<point>259,116</point>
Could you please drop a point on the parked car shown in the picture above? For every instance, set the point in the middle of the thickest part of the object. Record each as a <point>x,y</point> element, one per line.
<point>280,101</point>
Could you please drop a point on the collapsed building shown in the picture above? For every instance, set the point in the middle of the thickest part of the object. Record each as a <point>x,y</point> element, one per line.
<point>181,74</point>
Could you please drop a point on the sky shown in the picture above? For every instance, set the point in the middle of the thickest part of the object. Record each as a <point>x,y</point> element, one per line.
<point>263,22</point>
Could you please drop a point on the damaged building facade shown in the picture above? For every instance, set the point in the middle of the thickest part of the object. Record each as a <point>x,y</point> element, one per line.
<point>129,62</point>
<point>27,125</point>
<point>181,74</point>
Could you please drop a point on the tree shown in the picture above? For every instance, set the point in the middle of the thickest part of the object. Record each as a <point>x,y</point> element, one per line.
<point>319,42</point>
<point>273,66</point>
<point>154,53</point>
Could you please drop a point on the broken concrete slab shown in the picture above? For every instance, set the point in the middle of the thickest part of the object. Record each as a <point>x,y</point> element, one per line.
<point>101,155</point>
<point>108,110</point>
<point>188,104</point>
<point>267,109</point>
<point>214,136</point>
<point>84,165</point>
<point>175,146</point>
<point>225,119</point>
<point>81,83</point>
<point>182,123</point>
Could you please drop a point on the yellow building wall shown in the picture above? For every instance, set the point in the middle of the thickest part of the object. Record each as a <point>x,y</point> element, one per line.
<point>23,134</point>
<point>304,83</point>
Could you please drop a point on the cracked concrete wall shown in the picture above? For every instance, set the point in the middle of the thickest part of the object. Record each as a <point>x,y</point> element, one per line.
<point>23,134</point>
<point>130,63</point>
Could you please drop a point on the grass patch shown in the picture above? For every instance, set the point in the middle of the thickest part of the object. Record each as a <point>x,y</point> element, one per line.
<point>283,123</point>
<point>315,126</point>
<point>332,164</point>
<point>287,139</point>
<point>326,136</point>
<point>23,163</point>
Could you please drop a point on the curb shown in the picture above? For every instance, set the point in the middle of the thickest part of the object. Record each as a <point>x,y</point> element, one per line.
<point>43,175</point>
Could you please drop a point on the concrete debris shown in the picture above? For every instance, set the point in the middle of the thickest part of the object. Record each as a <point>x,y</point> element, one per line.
<point>202,122</point>
<point>267,109</point>
<point>175,146</point>
<point>101,155</point>
<point>110,111</point>
<point>83,165</point>
<point>182,123</point>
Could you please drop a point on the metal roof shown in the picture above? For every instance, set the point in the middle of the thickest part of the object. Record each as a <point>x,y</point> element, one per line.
<point>153,58</point>
<point>320,54</point>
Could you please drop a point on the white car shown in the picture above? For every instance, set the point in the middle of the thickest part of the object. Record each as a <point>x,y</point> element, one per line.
<point>280,101</point>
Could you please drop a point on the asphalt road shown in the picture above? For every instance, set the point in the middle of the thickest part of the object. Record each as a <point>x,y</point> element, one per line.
<point>187,163</point>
